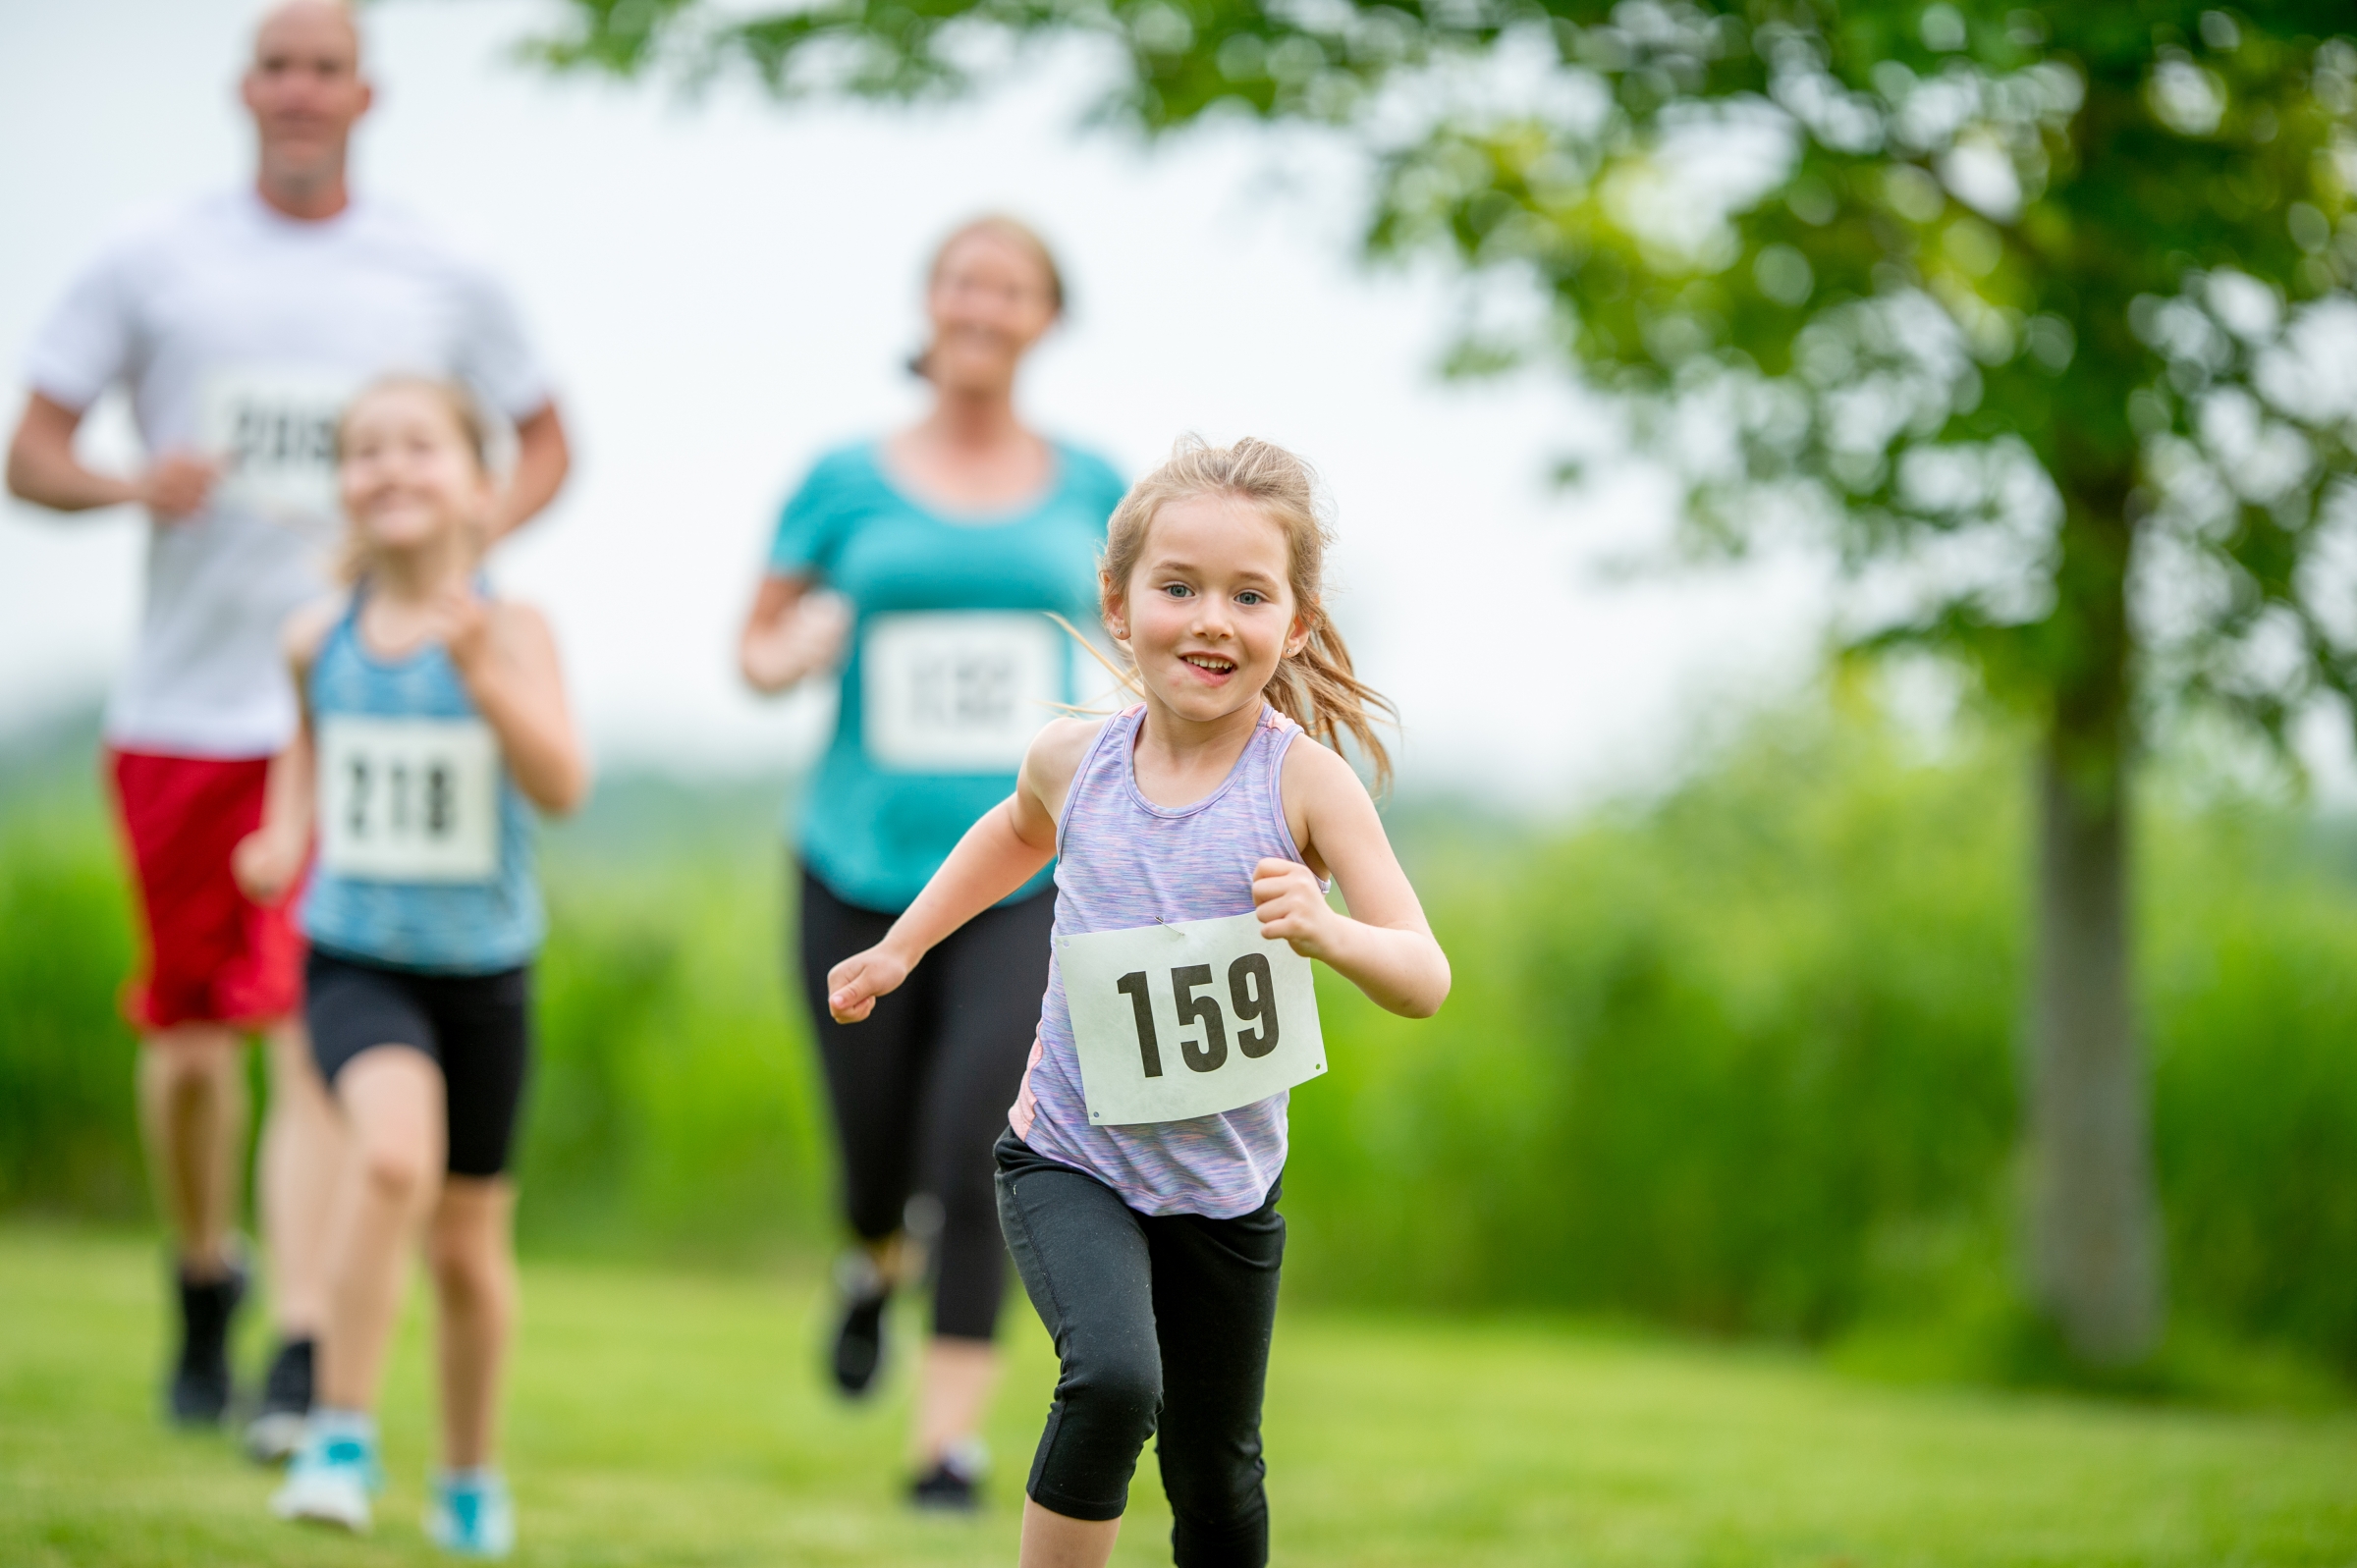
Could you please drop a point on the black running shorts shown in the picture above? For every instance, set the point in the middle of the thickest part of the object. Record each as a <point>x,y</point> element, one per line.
<point>477,1029</point>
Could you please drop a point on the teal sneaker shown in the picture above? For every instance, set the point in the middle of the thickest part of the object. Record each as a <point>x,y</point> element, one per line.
<point>471,1514</point>
<point>331,1479</point>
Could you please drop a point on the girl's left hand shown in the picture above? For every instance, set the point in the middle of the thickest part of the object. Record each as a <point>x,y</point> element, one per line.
<point>462,622</point>
<point>1292,906</point>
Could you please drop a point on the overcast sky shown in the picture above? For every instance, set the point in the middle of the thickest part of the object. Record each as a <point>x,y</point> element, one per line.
<point>726,288</point>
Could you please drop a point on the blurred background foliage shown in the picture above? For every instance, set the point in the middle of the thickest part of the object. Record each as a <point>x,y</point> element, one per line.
<point>1736,1059</point>
<point>2034,316</point>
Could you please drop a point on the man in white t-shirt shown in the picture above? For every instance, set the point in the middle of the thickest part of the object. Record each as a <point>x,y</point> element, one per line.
<point>239,323</point>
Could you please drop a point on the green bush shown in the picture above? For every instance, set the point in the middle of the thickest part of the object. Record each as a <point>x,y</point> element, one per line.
<point>671,1105</point>
<point>2251,986</point>
<point>69,1138</point>
<point>1700,1059</point>
<point>675,1100</point>
<point>1739,1060</point>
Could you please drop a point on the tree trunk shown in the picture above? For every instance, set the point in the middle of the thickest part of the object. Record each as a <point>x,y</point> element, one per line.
<point>2092,1232</point>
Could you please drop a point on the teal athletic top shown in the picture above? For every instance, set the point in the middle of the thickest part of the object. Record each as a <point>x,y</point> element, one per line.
<point>424,843</point>
<point>951,666</point>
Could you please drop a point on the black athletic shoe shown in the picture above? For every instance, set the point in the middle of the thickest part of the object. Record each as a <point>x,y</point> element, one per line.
<point>954,1486</point>
<point>200,1383</point>
<point>859,1336</point>
<point>276,1429</point>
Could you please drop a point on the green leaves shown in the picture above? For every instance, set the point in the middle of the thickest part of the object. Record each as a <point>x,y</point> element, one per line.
<point>1846,236</point>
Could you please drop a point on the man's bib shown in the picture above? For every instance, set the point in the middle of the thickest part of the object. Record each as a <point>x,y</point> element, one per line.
<point>1183,1021</point>
<point>272,429</point>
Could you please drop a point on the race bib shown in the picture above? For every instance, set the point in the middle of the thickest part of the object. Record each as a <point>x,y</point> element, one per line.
<point>958,691</point>
<point>408,799</point>
<point>1186,1020</point>
<point>273,431</point>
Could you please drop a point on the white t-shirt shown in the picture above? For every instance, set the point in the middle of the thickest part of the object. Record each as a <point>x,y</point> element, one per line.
<point>241,332</point>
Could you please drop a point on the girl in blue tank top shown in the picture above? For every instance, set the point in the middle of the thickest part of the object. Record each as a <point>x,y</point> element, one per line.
<point>1194,835</point>
<point>434,720</point>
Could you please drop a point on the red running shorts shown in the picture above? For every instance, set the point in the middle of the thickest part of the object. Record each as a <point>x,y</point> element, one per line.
<point>213,956</point>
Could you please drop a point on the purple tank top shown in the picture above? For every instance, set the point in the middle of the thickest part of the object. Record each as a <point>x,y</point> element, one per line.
<point>1124,862</point>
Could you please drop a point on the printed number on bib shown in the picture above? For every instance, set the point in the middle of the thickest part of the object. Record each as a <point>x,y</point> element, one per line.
<point>408,799</point>
<point>273,431</point>
<point>958,691</point>
<point>1186,1020</point>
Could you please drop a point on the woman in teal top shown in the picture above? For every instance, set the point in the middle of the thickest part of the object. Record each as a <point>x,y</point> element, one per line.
<point>944,549</point>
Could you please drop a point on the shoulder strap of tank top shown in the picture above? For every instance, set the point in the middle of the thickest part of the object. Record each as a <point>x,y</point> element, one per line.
<point>1281,732</point>
<point>1085,774</point>
<point>348,624</point>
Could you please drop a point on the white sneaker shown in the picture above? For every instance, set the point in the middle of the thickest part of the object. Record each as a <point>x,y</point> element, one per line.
<point>328,1484</point>
<point>471,1514</point>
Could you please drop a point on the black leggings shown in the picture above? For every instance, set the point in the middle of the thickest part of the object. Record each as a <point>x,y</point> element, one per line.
<point>921,1087</point>
<point>1162,1325</point>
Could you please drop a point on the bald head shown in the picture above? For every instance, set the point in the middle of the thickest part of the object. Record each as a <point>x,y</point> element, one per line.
<point>308,24</point>
<point>305,91</point>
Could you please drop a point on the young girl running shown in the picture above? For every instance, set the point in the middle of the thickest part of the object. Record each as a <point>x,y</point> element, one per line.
<point>431,716</point>
<point>1192,835</point>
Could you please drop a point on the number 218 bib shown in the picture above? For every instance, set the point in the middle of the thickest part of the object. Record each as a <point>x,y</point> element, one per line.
<point>1186,1020</point>
<point>408,799</point>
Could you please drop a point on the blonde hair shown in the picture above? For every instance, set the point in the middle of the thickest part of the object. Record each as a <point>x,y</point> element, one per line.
<point>465,417</point>
<point>1315,687</point>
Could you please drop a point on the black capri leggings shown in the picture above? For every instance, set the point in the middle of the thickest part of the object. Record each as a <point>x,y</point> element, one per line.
<point>921,1087</point>
<point>1162,1326</point>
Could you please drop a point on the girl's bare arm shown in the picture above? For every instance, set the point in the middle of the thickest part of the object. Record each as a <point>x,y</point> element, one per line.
<point>997,854</point>
<point>1383,945</point>
<point>508,657</point>
<point>267,860</point>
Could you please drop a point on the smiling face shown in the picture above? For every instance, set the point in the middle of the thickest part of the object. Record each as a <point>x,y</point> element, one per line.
<point>990,300</point>
<point>408,472</point>
<point>1208,610</point>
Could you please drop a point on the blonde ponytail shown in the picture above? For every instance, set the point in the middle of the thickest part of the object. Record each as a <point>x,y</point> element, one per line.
<point>1315,687</point>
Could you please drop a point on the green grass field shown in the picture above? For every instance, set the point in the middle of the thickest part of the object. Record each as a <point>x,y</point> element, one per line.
<point>676,1419</point>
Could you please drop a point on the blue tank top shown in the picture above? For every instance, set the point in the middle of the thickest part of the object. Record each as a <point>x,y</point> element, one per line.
<point>424,843</point>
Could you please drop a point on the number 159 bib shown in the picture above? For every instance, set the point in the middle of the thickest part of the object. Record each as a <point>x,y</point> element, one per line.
<point>1181,1021</point>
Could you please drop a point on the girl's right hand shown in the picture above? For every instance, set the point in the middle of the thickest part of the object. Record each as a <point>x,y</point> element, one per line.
<point>854,985</point>
<point>266,864</point>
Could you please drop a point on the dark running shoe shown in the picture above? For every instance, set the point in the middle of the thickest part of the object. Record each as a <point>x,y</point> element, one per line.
<point>200,1385</point>
<point>859,1337</point>
<point>276,1429</point>
<point>954,1486</point>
